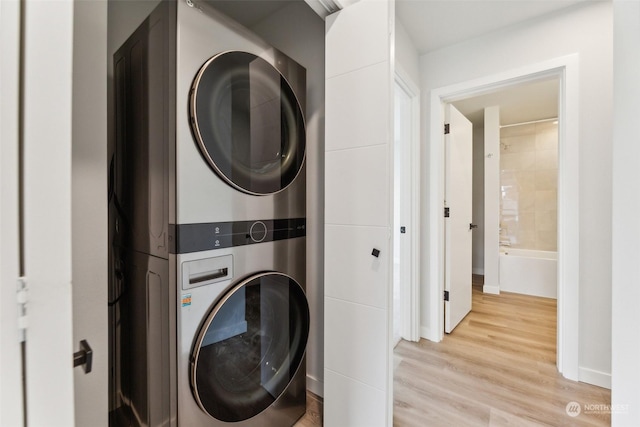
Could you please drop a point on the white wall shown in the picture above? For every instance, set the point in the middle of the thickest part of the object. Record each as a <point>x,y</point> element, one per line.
<point>406,54</point>
<point>358,215</point>
<point>477,262</point>
<point>625,393</point>
<point>491,196</point>
<point>533,42</point>
<point>298,32</point>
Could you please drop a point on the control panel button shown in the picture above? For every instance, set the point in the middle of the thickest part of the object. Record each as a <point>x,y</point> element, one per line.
<point>258,231</point>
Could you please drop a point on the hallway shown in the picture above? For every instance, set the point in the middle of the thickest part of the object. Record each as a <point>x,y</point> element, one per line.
<point>496,368</point>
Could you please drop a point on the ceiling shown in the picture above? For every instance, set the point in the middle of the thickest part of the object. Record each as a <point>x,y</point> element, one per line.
<point>522,103</point>
<point>433,24</point>
<point>427,24</point>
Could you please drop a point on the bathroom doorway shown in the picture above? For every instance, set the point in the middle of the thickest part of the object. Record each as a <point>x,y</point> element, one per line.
<point>564,70</point>
<point>515,176</point>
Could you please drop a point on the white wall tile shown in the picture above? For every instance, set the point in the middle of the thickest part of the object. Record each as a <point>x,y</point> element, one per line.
<point>529,180</point>
<point>547,139</point>
<point>547,240</point>
<point>518,144</point>
<point>346,397</point>
<point>526,180</point>
<point>517,161</point>
<point>352,273</point>
<point>360,108</point>
<point>546,159</point>
<point>364,341</point>
<point>547,220</point>
<point>527,220</point>
<point>546,179</point>
<point>368,46</point>
<point>546,200</point>
<point>527,201</point>
<point>357,190</point>
<point>357,195</point>
<point>507,132</point>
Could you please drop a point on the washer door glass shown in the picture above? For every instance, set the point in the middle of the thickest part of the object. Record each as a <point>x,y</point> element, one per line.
<point>247,122</point>
<point>250,347</point>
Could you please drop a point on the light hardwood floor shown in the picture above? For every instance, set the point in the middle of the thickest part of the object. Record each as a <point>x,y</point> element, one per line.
<point>496,368</point>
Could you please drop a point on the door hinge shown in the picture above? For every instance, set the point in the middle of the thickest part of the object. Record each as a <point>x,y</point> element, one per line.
<point>22,298</point>
<point>446,212</point>
<point>447,129</point>
<point>446,295</point>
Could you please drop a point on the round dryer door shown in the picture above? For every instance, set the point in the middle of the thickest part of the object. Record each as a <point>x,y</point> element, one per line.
<point>250,347</point>
<point>248,123</point>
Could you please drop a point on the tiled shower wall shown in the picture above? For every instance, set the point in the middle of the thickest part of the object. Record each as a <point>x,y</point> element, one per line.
<point>529,186</point>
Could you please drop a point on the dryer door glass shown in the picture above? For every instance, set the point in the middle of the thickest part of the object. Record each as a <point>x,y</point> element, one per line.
<point>247,122</point>
<point>250,347</point>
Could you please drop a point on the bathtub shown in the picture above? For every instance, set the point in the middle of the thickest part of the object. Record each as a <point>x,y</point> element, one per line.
<point>529,272</point>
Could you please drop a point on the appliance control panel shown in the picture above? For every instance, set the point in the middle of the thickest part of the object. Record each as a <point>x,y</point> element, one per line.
<point>185,238</point>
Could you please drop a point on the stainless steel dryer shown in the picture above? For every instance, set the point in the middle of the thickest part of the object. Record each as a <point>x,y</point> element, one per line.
<point>243,103</point>
<point>208,314</point>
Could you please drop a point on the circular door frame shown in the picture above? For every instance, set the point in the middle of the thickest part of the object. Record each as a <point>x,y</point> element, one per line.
<point>208,319</point>
<point>195,127</point>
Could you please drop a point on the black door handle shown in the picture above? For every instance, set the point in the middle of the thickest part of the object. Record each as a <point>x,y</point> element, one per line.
<point>84,356</point>
<point>472,226</point>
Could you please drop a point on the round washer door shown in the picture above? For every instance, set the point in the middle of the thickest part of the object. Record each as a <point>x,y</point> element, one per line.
<point>247,122</point>
<point>250,347</point>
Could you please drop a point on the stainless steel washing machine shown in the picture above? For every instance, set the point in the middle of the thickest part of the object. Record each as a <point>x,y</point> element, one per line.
<point>209,319</point>
<point>243,324</point>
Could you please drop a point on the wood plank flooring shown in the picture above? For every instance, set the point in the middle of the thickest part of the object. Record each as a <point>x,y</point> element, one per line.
<point>497,368</point>
<point>313,416</point>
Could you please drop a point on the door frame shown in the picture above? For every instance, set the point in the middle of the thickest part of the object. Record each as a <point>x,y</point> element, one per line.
<point>11,390</point>
<point>410,292</point>
<point>566,69</point>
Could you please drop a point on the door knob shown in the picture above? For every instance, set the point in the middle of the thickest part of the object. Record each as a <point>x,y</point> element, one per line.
<point>472,226</point>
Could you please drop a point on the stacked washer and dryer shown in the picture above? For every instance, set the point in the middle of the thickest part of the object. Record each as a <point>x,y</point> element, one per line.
<point>208,191</point>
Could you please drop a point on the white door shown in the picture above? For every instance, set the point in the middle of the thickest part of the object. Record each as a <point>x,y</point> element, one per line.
<point>46,210</point>
<point>358,216</point>
<point>11,407</point>
<point>402,214</point>
<point>89,209</point>
<point>458,232</point>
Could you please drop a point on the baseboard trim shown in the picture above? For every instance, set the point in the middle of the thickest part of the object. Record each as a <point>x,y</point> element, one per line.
<point>315,386</point>
<point>478,271</point>
<point>488,289</point>
<point>591,376</point>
